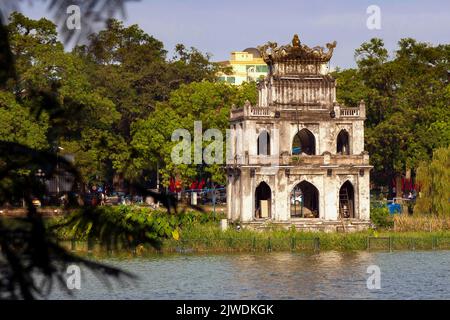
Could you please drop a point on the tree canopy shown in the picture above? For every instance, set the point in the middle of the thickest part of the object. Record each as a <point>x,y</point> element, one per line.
<point>104,88</point>
<point>205,101</point>
<point>434,179</point>
<point>407,100</point>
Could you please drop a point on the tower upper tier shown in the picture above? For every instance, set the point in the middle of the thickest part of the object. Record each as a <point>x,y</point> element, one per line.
<point>298,77</point>
<point>296,58</point>
<point>298,85</point>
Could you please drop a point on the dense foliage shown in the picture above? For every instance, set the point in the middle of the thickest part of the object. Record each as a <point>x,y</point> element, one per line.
<point>434,179</point>
<point>407,99</point>
<point>107,90</point>
<point>122,224</point>
<point>205,101</point>
<point>129,225</point>
<point>381,217</point>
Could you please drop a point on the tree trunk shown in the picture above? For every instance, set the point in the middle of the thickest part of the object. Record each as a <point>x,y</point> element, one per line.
<point>118,182</point>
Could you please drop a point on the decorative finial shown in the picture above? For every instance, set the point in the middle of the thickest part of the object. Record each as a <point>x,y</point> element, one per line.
<point>296,41</point>
<point>271,53</point>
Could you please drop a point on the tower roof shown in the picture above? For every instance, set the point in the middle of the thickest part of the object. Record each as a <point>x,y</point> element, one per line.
<point>271,53</point>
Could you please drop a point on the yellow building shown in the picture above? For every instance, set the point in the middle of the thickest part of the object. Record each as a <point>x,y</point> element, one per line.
<point>247,65</point>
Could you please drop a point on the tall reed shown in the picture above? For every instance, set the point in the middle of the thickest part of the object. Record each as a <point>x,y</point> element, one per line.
<point>403,223</point>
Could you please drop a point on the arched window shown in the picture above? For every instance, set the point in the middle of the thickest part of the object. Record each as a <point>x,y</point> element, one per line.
<point>304,143</point>
<point>347,200</point>
<point>304,201</point>
<point>263,144</point>
<point>343,143</point>
<point>263,196</point>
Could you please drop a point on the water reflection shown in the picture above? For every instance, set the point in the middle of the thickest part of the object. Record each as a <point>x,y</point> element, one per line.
<point>303,276</point>
<point>325,275</point>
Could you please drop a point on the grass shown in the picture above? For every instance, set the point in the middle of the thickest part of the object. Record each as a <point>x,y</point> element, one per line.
<point>424,223</point>
<point>209,238</point>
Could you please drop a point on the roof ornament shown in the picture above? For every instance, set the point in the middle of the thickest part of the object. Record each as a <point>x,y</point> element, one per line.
<point>271,53</point>
<point>296,41</point>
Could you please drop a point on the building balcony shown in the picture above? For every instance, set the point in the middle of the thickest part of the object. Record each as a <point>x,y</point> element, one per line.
<point>349,112</point>
<point>325,160</point>
<point>249,111</point>
<point>304,106</point>
<point>340,112</point>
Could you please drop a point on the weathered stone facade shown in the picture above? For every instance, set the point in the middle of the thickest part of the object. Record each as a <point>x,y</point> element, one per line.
<point>298,156</point>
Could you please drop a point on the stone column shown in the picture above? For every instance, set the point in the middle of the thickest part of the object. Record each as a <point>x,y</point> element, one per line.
<point>247,195</point>
<point>337,111</point>
<point>364,195</point>
<point>236,201</point>
<point>331,197</point>
<point>362,109</point>
<point>357,137</point>
<point>282,196</point>
<point>230,197</point>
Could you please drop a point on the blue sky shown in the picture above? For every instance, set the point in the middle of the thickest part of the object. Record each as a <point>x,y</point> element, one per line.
<point>219,27</point>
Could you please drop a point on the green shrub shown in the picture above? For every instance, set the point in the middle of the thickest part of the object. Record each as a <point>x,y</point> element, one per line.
<point>381,217</point>
<point>190,217</point>
<point>128,224</point>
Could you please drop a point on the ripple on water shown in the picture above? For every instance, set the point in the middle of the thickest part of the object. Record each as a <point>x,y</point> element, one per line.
<point>326,275</point>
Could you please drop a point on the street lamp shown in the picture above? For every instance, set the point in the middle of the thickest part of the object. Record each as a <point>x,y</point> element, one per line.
<point>40,174</point>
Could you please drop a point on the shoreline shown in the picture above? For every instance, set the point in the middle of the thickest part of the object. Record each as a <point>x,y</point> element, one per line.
<point>298,243</point>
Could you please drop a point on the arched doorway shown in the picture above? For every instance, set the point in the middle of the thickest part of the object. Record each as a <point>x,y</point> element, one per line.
<point>304,201</point>
<point>263,144</point>
<point>347,201</point>
<point>263,196</point>
<point>343,143</point>
<point>304,143</point>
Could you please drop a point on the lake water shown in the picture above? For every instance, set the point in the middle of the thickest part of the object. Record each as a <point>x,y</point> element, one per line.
<point>324,275</point>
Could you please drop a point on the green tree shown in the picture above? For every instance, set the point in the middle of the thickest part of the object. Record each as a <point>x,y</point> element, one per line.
<point>434,179</point>
<point>130,68</point>
<point>208,102</point>
<point>19,125</point>
<point>191,65</point>
<point>42,65</point>
<point>407,102</point>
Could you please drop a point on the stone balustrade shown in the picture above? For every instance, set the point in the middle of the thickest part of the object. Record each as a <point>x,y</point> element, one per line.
<point>259,112</point>
<point>251,111</point>
<point>305,106</point>
<point>314,160</point>
<point>256,111</point>
<point>349,112</point>
<point>327,159</point>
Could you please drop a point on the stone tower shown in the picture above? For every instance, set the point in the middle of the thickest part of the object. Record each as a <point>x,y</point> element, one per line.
<point>298,157</point>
